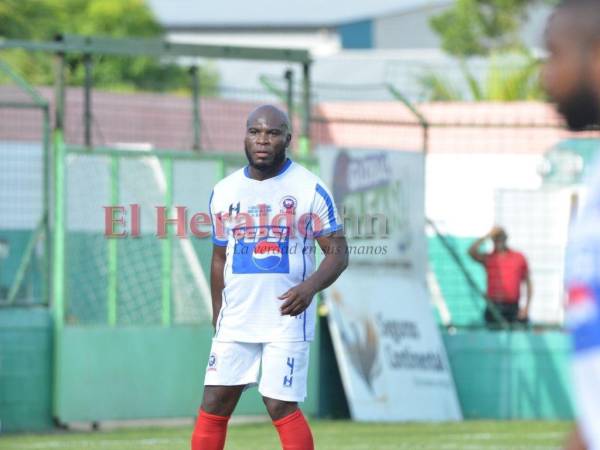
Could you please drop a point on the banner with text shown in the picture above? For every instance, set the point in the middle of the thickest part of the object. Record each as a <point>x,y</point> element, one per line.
<point>388,347</point>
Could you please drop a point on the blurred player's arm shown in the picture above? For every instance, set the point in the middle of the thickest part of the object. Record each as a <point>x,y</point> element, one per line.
<point>298,298</point>
<point>217,281</point>
<point>475,248</point>
<point>575,441</point>
<point>524,312</point>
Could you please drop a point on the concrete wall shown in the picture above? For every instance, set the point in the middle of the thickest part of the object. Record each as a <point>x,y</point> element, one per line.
<point>25,369</point>
<point>143,372</point>
<point>137,372</point>
<point>511,375</point>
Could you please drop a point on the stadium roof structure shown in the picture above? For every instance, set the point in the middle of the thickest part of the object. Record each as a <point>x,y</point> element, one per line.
<point>269,14</point>
<point>156,47</point>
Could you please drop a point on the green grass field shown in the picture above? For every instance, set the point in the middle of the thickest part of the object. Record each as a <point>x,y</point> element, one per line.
<point>329,435</point>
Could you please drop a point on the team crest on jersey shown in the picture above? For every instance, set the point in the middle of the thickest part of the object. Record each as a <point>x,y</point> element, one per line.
<point>288,204</point>
<point>261,250</point>
<point>212,362</point>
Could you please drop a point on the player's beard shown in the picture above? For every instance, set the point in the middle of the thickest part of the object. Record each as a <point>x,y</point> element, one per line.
<point>582,108</point>
<point>278,159</point>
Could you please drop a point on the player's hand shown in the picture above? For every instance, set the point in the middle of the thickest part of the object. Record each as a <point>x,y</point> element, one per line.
<point>297,299</point>
<point>523,313</point>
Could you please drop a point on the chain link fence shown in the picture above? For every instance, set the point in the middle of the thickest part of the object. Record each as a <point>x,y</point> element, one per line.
<point>510,164</point>
<point>24,150</point>
<point>505,163</point>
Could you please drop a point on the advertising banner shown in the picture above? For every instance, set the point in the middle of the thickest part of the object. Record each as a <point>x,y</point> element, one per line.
<point>380,196</point>
<point>388,347</point>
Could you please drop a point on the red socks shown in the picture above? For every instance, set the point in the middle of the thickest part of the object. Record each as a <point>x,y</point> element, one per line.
<point>209,432</point>
<point>294,432</point>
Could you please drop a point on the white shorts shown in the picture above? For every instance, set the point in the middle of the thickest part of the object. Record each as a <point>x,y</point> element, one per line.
<point>284,367</point>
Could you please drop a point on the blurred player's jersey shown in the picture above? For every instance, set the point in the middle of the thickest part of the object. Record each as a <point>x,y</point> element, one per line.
<point>269,229</point>
<point>582,276</point>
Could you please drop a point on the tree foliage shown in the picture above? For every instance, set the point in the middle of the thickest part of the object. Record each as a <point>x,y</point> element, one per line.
<point>42,20</point>
<point>490,29</point>
<point>506,79</point>
<point>481,27</point>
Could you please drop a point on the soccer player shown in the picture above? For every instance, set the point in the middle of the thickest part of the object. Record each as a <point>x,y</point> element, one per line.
<point>266,218</point>
<point>572,78</point>
<point>506,269</point>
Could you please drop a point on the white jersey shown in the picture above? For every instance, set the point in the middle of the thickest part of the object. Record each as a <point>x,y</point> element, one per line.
<point>582,272</point>
<point>269,228</point>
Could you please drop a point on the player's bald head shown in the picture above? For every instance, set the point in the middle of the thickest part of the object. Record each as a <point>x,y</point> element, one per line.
<point>582,18</point>
<point>270,114</point>
<point>267,138</point>
<point>571,73</point>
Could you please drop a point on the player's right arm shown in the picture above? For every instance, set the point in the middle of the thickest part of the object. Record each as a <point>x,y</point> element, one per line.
<point>217,280</point>
<point>575,441</point>
<point>475,248</point>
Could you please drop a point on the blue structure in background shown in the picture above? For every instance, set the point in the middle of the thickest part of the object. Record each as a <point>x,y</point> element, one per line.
<point>356,35</point>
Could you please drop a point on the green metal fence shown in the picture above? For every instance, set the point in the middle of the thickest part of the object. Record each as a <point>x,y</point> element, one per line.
<point>108,293</point>
<point>143,279</point>
<point>122,294</point>
<point>24,197</point>
<point>139,278</point>
<point>136,289</point>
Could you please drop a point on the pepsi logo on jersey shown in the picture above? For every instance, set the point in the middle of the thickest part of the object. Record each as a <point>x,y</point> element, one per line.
<point>261,250</point>
<point>267,255</point>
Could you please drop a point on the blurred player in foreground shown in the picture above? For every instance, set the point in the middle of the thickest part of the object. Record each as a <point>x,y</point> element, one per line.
<point>266,218</point>
<point>506,269</point>
<point>572,78</point>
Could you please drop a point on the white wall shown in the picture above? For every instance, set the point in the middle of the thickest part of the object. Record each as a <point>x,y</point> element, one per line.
<point>319,42</point>
<point>461,188</point>
<point>406,30</point>
<point>466,194</point>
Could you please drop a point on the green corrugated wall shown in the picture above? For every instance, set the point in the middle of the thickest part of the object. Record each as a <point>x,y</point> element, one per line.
<point>143,372</point>
<point>511,375</point>
<point>25,369</point>
<point>134,372</point>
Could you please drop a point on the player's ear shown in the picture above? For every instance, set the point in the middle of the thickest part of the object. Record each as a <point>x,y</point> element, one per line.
<point>288,139</point>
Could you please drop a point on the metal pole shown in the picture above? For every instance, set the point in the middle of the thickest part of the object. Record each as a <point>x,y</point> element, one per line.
<point>87,100</point>
<point>112,256</point>
<point>167,248</point>
<point>46,201</point>
<point>289,76</point>
<point>58,265</point>
<point>58,228</point>
<point>196,106</point>
<point>59,93</point>
<point>221,168</point>
<point>304,140</point>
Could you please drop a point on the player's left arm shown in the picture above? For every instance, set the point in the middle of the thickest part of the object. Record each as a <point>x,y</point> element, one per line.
<point>524,312</point>
<point>575,441</point>
<point>298,298</point>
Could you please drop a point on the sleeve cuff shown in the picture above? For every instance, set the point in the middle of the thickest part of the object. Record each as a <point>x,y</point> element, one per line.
<point>219,242</point>
<point>328,230</point>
